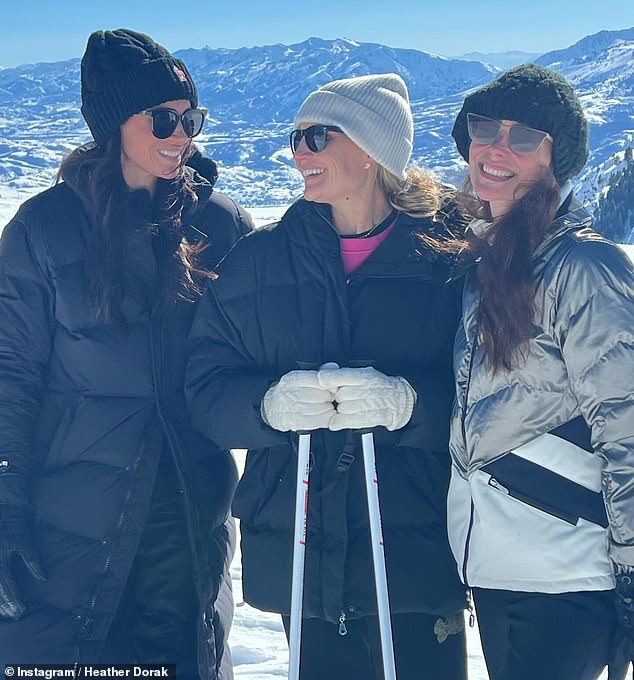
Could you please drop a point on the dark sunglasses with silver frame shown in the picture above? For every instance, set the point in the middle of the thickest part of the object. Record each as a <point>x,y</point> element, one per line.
<point>316,137</point>
<point>165,121</point>
<point>521,138</point>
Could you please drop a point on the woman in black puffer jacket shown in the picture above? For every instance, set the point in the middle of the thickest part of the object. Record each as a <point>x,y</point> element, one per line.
<point>352,273</point>
<point>116,537</point>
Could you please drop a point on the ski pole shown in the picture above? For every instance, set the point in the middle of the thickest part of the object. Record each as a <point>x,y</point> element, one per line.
<point>299,554</point>
<point>378,556</point>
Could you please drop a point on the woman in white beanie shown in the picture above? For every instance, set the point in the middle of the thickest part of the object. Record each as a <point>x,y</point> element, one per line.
<point>353,274</point>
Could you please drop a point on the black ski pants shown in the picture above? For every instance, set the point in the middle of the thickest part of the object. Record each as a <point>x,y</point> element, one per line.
<point>327,655</point>
<point>530,636</point>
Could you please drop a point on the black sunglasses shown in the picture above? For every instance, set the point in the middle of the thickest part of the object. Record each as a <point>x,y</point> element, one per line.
<point>164,121</point>
<point>521,138</point>
<point>316,137</point>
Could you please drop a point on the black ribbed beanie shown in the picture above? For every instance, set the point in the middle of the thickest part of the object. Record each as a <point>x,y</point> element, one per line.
<point>124,72</point>
<point>537,97</point>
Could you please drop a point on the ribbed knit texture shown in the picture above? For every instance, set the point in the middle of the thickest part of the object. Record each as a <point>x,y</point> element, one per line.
<point>372,110</point>
<point>537,97</point>
<point>124,72</point>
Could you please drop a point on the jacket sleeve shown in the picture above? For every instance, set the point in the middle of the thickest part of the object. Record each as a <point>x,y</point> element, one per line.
<point>595,327</point>
<point>224,383</point>
<point>26,330</point>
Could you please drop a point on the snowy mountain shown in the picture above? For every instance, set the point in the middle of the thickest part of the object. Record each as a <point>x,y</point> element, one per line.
<point>253,93</point>
<point>601,68</point>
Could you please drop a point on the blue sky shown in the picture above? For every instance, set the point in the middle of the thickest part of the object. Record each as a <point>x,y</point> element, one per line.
<point>52,30</point>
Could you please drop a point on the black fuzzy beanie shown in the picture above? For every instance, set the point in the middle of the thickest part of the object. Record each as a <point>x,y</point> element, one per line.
<point>124,72</point>
<point>537,97</point>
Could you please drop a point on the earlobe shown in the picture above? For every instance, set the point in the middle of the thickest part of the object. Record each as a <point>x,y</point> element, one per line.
<point>366,166</point>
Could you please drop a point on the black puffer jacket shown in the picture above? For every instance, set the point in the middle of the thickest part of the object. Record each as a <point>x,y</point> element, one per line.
<point>85,411</point>
<point>282,297</point>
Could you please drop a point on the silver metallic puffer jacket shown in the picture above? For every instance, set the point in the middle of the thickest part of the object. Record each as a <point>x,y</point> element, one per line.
<point>581,363</point>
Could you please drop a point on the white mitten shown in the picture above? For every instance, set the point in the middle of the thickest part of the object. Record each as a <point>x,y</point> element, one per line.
<point>367,398</point>
<point>297,402</point>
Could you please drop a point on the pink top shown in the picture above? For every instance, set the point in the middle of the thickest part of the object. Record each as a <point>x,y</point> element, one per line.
<point>355,251</point>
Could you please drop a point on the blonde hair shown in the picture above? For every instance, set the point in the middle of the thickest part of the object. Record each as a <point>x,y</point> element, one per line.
<point>419,195</point>
<point>422,195</point>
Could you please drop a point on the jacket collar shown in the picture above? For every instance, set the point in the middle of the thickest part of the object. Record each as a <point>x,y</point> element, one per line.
<point>570,216</point>
<point>573,217</point>
<point>403,253</point>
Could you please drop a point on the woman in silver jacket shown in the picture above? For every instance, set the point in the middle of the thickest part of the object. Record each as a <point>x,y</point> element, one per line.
<point>541,502</point>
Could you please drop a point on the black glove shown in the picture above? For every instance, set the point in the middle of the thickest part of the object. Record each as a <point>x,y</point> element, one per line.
<point>17,550</point>
<point>623,643</point>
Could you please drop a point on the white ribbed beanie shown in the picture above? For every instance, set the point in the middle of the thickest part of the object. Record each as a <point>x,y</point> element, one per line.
<point>372,110</point>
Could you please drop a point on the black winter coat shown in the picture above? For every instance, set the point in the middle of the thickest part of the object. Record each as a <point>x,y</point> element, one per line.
<point>85,411</point>
<point>282,297</point>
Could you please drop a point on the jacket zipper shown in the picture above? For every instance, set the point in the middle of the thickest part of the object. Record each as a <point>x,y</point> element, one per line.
<point>342,624</point>
<point>106,568</point>
<point>161,392</point>
<point>465,559</point>
<point>134,467</point>
<point>465,578</point>
<point>157,345</point>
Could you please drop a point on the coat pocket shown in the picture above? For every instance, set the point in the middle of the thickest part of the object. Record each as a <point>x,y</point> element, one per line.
<point>545,490</point>
<point>519,544</point>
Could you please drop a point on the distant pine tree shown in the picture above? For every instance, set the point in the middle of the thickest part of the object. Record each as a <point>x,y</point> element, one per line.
<point>614,214</point>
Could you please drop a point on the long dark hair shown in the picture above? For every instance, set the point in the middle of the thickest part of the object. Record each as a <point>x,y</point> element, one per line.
<point>114,211</point>
<point>507,305</point>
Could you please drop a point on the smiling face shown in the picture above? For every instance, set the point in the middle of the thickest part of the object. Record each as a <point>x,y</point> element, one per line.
<point>145,158</point>
<point>338,174</point>
<point>498,174</point>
